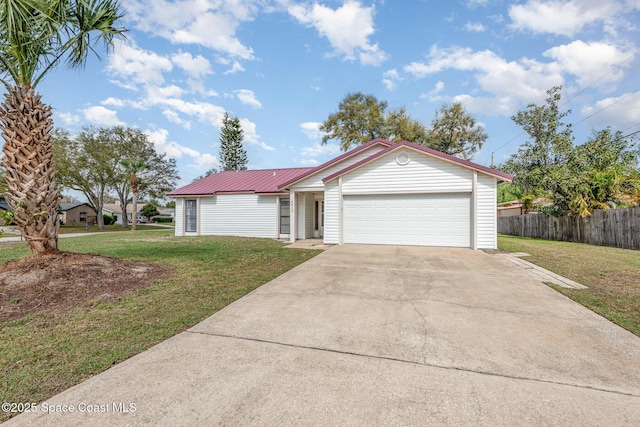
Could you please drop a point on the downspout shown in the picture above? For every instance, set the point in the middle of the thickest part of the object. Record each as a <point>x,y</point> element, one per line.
<point>293,221</point>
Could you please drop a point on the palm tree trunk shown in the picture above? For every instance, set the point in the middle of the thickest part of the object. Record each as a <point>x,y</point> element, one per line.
<point>26,126</point>
<point>134,202</point>
<point>134,215</point>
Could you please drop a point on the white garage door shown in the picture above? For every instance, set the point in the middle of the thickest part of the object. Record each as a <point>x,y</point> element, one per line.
<point>408,219</point>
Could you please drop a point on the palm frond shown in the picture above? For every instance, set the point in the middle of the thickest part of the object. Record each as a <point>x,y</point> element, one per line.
<point>35,35</point>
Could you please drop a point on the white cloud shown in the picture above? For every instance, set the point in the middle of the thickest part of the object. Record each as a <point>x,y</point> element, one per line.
<point>312,130</point>
<point>390,79</point>
<point>321,150</point>
<point>589,61</point>
<point>114,102</point>
<point>474,27</point>
<point>235,68</point>
<point>159,137</point>
<point>69,118</point>
<point>174,117</point>
<point>102,116</point>
<point>133,67</point>
<point>159,94</point>
<point>621,111</point>
<point>313,155</point>
<point>475,3</point>
<point>433,95</point>
<point>562,17</point>
<point>211,24</point>
<point>195,66</point>
<point>207,161</point>
<point>247,97</point>
<point>309,162</point>
<point>525,79</point>
<point>347,28</point>
<point>251,136</point>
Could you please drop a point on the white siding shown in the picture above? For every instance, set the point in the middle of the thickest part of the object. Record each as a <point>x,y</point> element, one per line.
<point>422,174</point>
<point>315,181</point>
<point>486,212</point>
<point>248,215</point>
<point>332,213</point>
<point>179,217</point>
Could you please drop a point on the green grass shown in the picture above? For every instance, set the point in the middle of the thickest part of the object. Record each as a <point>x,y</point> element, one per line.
<point>43,355</point>
<point>67,229</point>
<point>612,275</point>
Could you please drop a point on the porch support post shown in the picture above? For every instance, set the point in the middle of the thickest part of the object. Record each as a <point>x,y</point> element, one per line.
<point>293,220</point>
<point>474,212</point>
<point>340,213</point>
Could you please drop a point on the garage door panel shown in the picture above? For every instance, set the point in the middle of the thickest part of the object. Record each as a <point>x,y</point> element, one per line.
<point>408,219</point>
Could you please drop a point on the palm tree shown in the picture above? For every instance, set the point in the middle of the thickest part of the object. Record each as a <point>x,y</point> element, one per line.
<point>35,36</point>
<point>132,168</point>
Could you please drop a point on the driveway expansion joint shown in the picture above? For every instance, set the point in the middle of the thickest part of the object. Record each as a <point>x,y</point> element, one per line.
<point>417,363</point>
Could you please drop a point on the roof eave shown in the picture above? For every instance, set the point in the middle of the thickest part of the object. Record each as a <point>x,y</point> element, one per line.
<point>336,160</point>
<point>416,148</point>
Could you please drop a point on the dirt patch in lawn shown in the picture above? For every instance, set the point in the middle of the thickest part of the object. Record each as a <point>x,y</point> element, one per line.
<point>67,280</point>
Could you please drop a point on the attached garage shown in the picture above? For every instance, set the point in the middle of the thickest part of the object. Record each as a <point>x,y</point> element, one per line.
<point>381,192</point>
<point>408,219</point>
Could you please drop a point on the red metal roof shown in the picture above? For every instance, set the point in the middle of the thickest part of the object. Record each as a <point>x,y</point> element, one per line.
<point>466,163</point>
<point>249,181</point>
<point>276,180</point>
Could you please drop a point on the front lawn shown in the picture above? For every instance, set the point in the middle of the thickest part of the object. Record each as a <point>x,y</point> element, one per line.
<point>46,353</point>
<point>612,275</point>
<point>68,229</point>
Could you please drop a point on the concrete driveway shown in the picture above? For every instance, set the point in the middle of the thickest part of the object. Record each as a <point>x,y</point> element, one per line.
<point>376,335</point>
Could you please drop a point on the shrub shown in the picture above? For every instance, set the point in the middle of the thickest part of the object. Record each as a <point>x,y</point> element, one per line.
<point>108,219</point>
<point>7,217</point>
<point>162,218</point>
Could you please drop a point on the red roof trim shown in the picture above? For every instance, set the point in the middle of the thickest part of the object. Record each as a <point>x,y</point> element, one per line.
<point>376,141</point>
<point>447,157</point>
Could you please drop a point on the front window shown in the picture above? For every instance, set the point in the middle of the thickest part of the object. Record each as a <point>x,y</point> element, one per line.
<point>83,217</point>
<point>191,216</point>
<point>284,216</point>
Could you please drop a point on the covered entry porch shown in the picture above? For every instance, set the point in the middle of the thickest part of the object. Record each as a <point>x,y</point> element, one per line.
<point>306,211</point>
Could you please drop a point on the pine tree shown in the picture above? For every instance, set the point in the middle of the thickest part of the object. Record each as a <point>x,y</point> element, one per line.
<point>233,156</point>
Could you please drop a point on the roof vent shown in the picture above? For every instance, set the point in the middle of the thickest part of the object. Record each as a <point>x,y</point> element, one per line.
<point>403,158</point>
<point>274,173</point>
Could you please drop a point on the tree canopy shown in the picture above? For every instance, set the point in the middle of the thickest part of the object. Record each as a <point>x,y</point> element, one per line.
<point>361,118</point>
<point>94,163</point>
<point>456,132</point>
<point>576,178</point>
<point>233,156</point>
<point>209,172</point>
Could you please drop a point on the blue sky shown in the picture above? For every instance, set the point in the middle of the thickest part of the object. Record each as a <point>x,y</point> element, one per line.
<point>282,66</point>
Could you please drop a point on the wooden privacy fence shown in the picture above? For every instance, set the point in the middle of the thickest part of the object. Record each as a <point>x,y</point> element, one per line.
<point>606,227</point>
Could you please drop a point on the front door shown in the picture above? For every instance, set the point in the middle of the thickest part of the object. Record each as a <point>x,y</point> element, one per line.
<point>318,219</point>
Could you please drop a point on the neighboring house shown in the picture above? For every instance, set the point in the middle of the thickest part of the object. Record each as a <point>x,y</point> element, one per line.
<point>4,206</point>
<point>77,213</point>
<point>378,193</point>
<point>515,207</point>
<point>512,208</point>
<point>167,212</point>
<point>115,210</point>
